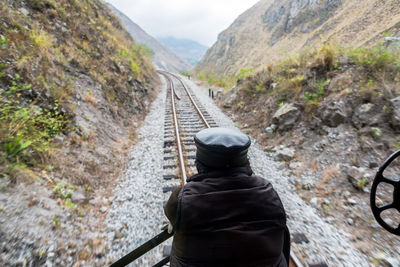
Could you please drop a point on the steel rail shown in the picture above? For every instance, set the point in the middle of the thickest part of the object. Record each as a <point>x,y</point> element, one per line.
<point>177,134</point>
<point>192,100</point>
<point>169,79</point>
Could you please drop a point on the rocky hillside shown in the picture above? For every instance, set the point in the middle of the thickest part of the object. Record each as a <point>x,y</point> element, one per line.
<point>273,28</point>
<point>162,57</point>
<point>330,116</point>
<point>73,88</point>
<point>69,82</point>
<point>190,50</point>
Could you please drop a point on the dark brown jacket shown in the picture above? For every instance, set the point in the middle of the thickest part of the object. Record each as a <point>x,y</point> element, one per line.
<point>227,218</point>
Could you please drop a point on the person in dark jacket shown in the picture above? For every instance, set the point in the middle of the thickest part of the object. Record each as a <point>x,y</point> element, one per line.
<point>225,215</point>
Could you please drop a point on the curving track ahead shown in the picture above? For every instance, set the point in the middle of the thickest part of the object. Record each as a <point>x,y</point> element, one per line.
<point>183,119</point>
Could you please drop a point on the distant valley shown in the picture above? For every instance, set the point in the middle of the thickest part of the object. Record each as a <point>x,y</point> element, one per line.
<point>189,50</point>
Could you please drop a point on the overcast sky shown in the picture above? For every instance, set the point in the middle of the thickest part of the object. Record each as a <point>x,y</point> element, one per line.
<point>198,20</point>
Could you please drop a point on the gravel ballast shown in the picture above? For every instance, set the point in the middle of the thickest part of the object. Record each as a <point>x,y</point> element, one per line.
<point>136,213</point>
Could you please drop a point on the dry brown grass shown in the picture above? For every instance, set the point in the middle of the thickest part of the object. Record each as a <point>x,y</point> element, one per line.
<point>332,171</point>
<point>75,140</point>
<point>91,99</point>
<point>356,160</point>
<point>314,165</point>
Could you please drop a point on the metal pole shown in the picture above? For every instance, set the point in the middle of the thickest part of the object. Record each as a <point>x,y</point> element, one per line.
<point>155,241</point>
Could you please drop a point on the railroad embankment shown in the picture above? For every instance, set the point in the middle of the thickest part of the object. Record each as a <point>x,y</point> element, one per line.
<point>74,86</point>
<point>330,116</point>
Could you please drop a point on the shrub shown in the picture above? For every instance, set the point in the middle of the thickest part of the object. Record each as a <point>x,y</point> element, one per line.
<point>135,68</point>
<point>376,132</point>
<point>13,146</point>
<point>26,129</point>
<point>41,39</point>
<point>317,93</point>
<point>209,77</point>
<point>42,4</point>
<point>259,87</point>
<point>69,204</point>
<point>144,50</point>
<point>297,80</point>
<point>244,73</point>
<point>63,190</point>
<point>185,73</point>
<point>327,56</point>
<point>220,81</point>
<point>375,59</point>
<point>56,222</point>
<point>132,57</point>
<point>362,183</point>
<point>3,41</point>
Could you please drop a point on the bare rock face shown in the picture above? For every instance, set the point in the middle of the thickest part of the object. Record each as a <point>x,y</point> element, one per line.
<point>260,34</point>
<point>284,154</point>
<point>395,120</point>
<point>283,17</point>
<point>334,113</point>
<point>358,177</point>
<point>367,115</point>
<point>286,117</point>
<point>78,197</point>
<point>392,43</point>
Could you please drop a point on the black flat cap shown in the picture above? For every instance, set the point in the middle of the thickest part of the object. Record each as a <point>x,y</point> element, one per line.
<point>222,147</point>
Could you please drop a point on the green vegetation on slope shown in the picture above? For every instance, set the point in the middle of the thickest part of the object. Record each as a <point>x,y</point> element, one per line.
<point>316,79</point>
<point>333,112</point>
<point>225,82</point>
<point>44,46</point>
<point>306,78</point>
<point>27,129</point>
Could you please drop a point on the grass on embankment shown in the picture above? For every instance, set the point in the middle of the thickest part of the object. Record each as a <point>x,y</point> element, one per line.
<point>376,62</point>
<point>364,75</point>
<point>44,46</point>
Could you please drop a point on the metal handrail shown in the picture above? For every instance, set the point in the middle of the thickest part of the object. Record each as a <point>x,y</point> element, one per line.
<point>144,248</point>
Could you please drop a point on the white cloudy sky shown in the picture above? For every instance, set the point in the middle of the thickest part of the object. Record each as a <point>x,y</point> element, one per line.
<point>199,20</point>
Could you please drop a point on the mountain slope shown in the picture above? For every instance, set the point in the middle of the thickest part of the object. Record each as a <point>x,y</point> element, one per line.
<point>273,28</point>
<point>163,57</point>
<point>73,88</point>
<point>190,50</point>
<point>83,68</point>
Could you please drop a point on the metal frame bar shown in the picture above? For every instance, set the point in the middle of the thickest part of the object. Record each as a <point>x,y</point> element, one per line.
<point>144,248</point>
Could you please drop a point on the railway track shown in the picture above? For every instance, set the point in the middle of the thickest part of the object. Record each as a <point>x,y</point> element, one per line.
<point>183,119</point>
